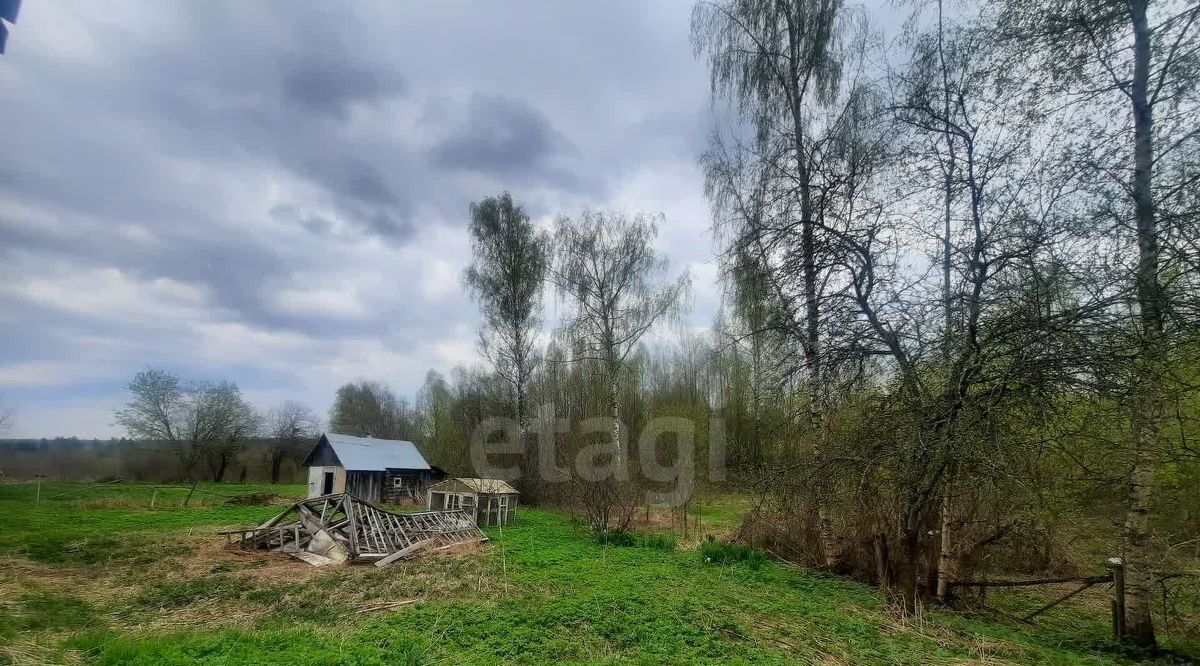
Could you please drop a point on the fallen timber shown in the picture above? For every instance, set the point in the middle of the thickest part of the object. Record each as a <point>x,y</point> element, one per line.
<point>341,527</point>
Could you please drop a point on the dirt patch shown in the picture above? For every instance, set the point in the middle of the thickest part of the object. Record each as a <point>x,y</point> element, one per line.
<point>259,499</point>
<point>214,556</point>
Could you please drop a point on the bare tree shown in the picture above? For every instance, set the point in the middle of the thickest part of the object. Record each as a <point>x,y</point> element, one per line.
<point>617,288</point>
<point>290,427</point>
<point>6,418</point>
<point>201,421</point>
<point>509,269</point>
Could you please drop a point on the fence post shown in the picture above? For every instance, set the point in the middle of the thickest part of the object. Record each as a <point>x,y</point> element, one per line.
<point>1117,565</point>
<point>189,495</point>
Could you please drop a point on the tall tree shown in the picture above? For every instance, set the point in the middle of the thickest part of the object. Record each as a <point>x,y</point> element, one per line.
<point>367,408</point>
<point>781,64</point>
<point>507,275</point>
<point>1134,65</point>
<point>202,421</point>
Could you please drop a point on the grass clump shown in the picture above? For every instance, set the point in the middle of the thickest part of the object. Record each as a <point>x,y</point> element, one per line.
<point>629,539</point>
<point>714,551</point>
<point>178,593</point>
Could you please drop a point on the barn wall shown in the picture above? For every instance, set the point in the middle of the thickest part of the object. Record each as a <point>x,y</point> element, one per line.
<point>417,483</point>
<point>365,485</point>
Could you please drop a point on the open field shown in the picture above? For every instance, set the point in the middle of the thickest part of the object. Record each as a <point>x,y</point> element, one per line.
<point>99,577</point>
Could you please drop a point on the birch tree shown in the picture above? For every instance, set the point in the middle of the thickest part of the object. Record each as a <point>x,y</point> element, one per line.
<point>291,427</point>
<point>617,289</point>
<point>1134,66</point>
<point>781,65</point>
<point>507,275</point>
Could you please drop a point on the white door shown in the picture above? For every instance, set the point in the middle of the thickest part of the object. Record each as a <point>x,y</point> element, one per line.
<point>322,481</point>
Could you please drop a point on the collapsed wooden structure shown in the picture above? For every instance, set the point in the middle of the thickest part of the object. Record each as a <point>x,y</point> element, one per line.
<point>340,527</point>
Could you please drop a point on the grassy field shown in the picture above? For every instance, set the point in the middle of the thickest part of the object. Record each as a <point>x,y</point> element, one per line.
<point>100,577</point>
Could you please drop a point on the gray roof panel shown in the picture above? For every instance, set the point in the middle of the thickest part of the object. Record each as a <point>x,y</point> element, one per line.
<point>368,454</point>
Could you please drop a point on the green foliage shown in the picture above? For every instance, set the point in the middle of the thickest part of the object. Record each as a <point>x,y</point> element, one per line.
<point>621,539</point>
<point>290,647</point>
<point>45,612</point>
<point>714,551</point>
<point>629,539</point>
<point>110,524</point>
<point>542,591</point>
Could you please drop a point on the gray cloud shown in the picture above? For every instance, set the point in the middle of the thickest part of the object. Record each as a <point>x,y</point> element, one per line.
<point>503,136</point>
<point>276,192</point>
<point>331,87</point>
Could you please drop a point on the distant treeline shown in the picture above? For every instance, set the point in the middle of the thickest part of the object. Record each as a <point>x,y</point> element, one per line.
<point>131,459</point>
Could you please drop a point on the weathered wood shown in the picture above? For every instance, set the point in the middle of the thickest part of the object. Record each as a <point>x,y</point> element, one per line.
<point>189,495</point>
<point>405,552</point>
<point>313,558</point>
<point>1023,583</point>
<point>1117,565</point>
<point>366,531</point>
<point>1029,617</point>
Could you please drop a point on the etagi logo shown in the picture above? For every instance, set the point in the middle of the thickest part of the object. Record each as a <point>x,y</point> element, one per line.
<point>606,455</point>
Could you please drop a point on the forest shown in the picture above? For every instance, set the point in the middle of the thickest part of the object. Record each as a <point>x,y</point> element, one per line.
<point>960,328</point>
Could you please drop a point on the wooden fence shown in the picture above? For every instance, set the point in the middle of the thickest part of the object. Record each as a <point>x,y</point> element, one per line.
<point>1115,576</point>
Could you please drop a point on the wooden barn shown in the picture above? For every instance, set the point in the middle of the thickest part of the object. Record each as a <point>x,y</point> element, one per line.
<point>375,470</point>
<point>488,501</point>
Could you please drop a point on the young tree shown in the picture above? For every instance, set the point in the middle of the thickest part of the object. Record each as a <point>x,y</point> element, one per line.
<point>290,427</point>
<point>509,268</point>
<point>605,264</point>
<point>606,268</point>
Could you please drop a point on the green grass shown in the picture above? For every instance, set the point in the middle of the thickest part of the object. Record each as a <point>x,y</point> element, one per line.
<point>544,590</point>
<point>92,526</point>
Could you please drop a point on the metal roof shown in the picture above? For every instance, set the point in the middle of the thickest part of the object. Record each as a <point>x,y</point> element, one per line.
<point>368,454</point>
<point>484,486</point>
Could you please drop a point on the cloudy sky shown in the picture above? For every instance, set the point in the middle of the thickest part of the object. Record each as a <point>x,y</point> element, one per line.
<point>277,194</point>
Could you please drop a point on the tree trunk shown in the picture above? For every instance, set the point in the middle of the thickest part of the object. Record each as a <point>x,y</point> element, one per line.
<point>219,470</point>
<point>1148,401</point>
<point>904,588</point>
<point>947,567</point>
<point>276,465</point>
<point>614,401</point>
<point>812,309</point>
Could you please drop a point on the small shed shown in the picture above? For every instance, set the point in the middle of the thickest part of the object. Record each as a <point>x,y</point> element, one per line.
<point>374,470</point>
<point>488,501</point>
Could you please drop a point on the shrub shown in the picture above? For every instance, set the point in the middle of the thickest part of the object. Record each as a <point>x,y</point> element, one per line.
<point>659,541</point>
<point>713,551</point>
<point>621,539</point>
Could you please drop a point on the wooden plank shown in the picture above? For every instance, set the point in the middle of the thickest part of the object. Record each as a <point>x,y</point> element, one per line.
<point>1022,583</point>
<point>1029,617</point>
<point>349,508</point>
<point>404,552</point>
